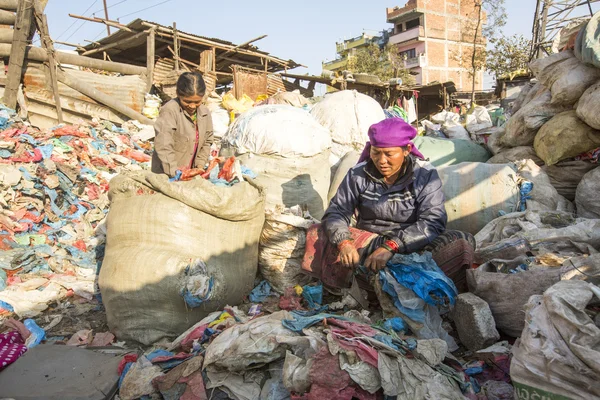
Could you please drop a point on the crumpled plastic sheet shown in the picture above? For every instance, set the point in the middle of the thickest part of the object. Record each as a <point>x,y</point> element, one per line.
<point>53,195</point>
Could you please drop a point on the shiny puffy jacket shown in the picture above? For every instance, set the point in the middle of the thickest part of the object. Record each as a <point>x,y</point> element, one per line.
<point>410,212</point>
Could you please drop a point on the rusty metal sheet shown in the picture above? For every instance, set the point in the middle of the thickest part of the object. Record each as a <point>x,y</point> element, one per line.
<point>250,83</point>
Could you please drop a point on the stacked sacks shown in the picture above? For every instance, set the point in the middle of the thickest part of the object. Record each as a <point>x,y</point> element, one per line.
<point>175,252</point>
<point>289,151</point>
<point>348,116</point>
<point>556,122</point>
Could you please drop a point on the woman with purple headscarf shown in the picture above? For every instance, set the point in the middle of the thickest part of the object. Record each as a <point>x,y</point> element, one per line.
<point>397,201</point>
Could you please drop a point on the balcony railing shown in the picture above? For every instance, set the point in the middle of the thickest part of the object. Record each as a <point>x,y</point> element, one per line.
<point>414,33</point>
<point>414,62</point>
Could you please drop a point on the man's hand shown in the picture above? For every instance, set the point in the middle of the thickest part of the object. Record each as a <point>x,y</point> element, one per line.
<point>378,259</point>
<point>348,255</point>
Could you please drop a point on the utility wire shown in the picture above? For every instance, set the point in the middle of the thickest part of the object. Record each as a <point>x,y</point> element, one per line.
<point>111,6</point>
<point>70,26</point>
<point>144,9</point>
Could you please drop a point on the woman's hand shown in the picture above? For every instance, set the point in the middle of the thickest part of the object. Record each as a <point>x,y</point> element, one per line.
<point>348,255</point>
<point>378,259</point>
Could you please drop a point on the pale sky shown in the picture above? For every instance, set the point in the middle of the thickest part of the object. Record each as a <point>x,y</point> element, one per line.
<point>304,31</point>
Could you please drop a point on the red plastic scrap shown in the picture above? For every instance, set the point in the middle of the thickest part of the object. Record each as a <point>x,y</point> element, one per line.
<point>188,173</point>
<point>68,130</point>
<point>211,166</point>
<point>127,359</point>
<point>227,170</point>
<point>135,155</point>
<point>290,300</point>
<point>80,244</point>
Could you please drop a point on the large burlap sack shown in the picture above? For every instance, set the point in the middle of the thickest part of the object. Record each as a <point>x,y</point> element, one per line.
<point>280,130</point>
<point>573,78</point>
<point>565,136</point>
<point>347,162</point>
<point>566,175</point>
<point>451,125</point>
<point>348,115</point>
<point>543,68</point>
<point>282,245</point>
<point>478,120</point>
<point>587,47</point>
<point>588,106</point>
<point>494,141</point>
<point>543,195</point>
<point>167,240</point>
<point>507,294</point>
<point>558,354</point>
<point>300,181</point>
<point>520,100</point>
<point>556,230</point>
<point>587,197</point>
<point>442,152</point>
<point>477,192</point>
<point>514,154</point>
<point>523,126</point>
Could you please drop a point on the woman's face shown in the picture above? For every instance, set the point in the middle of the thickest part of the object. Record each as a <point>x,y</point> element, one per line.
<point>389,160</point>
<point>190,103</point>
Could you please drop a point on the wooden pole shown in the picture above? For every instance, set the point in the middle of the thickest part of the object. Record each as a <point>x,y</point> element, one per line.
<point>39,54</point>
<point>241,46</point>
<point>17,52</point>
<point>42,24</point>
<point>114,44</point>
<point>176,46</point>
<point>150,48</point>
<point>101,97</point>
<point>102,21</point>
<point>106,16</point>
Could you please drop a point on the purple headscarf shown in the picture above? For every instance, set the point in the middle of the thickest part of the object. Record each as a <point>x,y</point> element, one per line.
<point>392,132</point>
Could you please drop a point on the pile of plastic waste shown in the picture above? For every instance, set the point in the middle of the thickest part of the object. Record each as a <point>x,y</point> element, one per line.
<point>53,200</point>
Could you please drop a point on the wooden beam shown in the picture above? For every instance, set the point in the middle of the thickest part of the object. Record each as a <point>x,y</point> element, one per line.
<point>196,66</point>
<point>42,24</point>
<point>176,46</point>
<point>16,50</point>
<point>101,97</point>
<point>7,17</point>
<point>102,21</point>
<point>10,5</point>
<point>241,46</point>
<point>209,43</point>
<point>77,46</point>
<point>39,54</point>
<point>115,44</point>
<point>150,48</point>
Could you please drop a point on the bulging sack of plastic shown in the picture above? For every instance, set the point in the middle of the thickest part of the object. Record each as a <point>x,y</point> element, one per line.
<point>494,141</point>
<point>507,294</point>
<point>588,106</point>
<point>347,115</point>
<point>543,68</point>
<point>587,195</point>
<point>477,192</point>
<point>451,125</point>
<point>572,81</point>
<point>556,230</point>
<point>442,152</point>
<point>347,162</point>
<point>520,100</point>
<point>282,245</point>
<point>279,130</point>
<point>543,195</point>
<point>565,136</point>
<point>523,126</point>
<point>478,120</point>
<point>515,154</point>
<point>288,182</point>
<point>587,45</point>
<point>558,353</point>
<point>566,175</point>
<point>175,252</point>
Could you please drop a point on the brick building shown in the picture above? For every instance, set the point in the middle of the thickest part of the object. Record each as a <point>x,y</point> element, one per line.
<point>434,35</point>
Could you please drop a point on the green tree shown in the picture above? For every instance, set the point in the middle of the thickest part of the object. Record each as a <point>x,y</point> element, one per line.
<point>508,54</point>
<point>484,23</point>
<point>384,63</point>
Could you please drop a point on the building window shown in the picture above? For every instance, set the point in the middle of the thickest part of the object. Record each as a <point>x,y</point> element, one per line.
<point>412,24</point>
<point>412,53</point>
<point>398,28</point>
